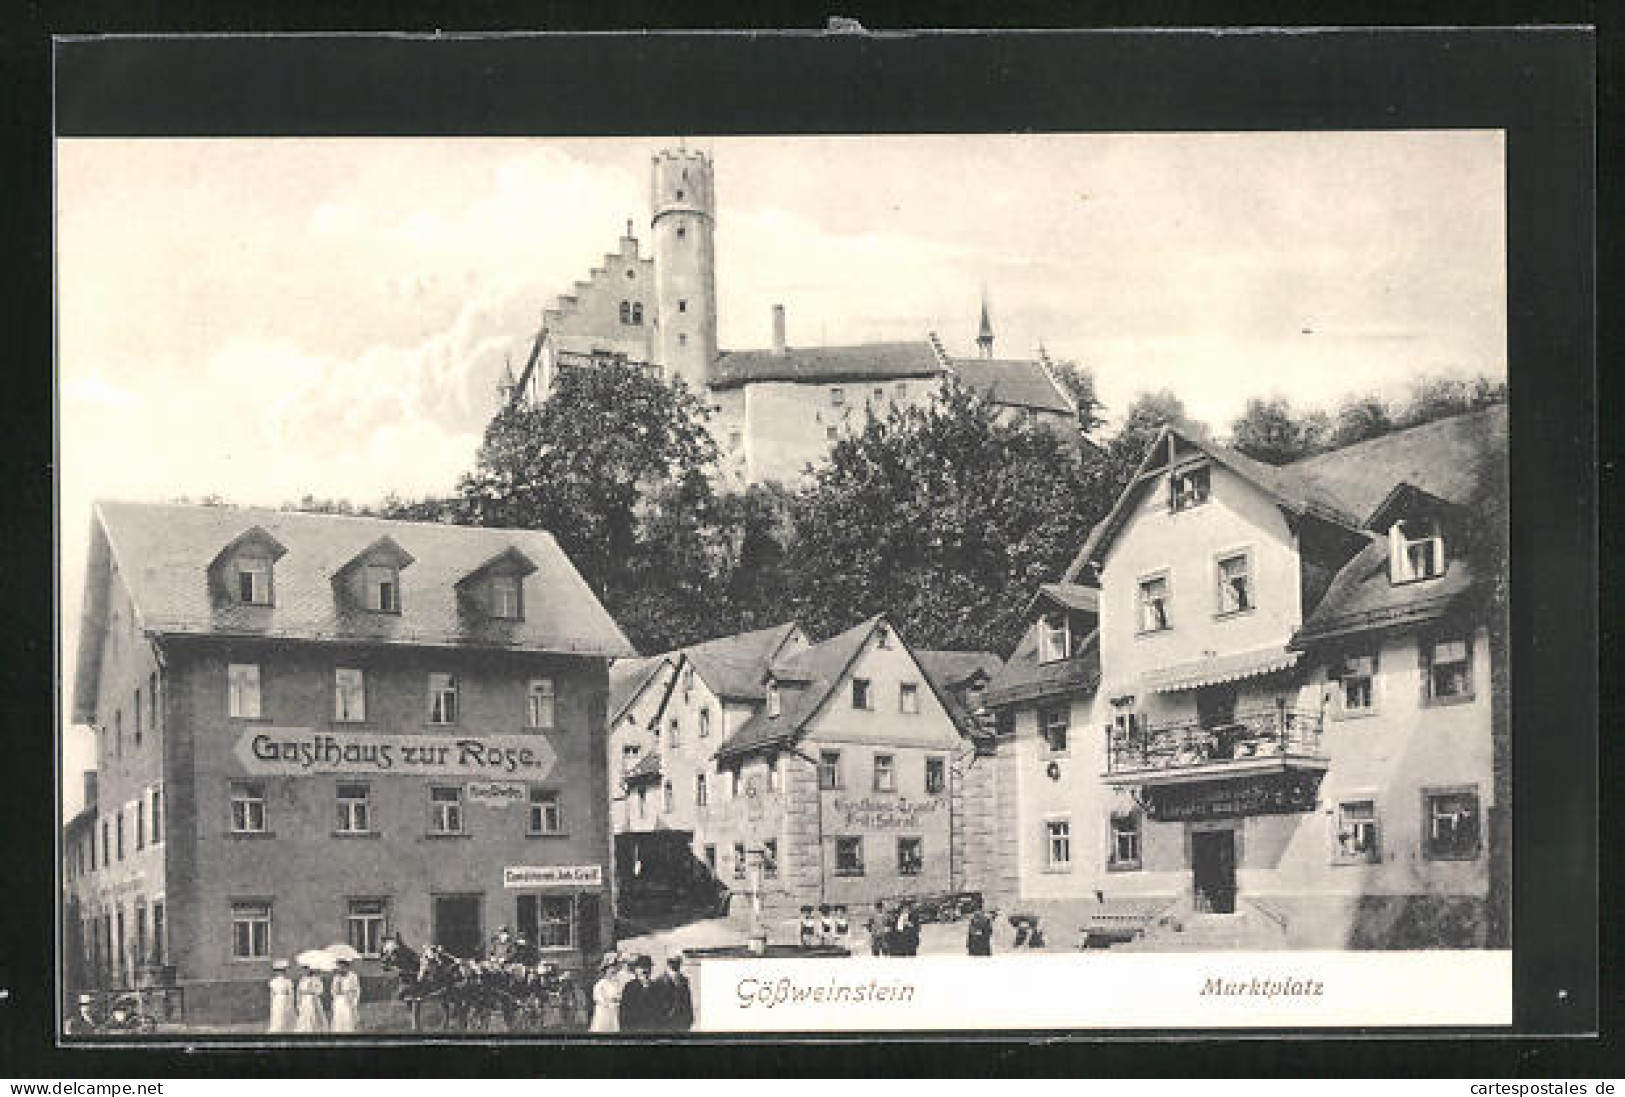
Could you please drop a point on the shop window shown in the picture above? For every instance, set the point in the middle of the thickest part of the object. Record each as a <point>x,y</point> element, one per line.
<point>546,812</point>
<point>770,859</point>
<point>1447,670</point>
<point>243,690</point>
<point>1125,829</point>
<point>739,860</point>
<point>936,775</point>
<point>885,773</point>
<point>253,581</point>
<point>849,856</point>
<point>1188,487</point>
<point>1054,727</point>
<point>1450,824</point>
<point>829,770</point>
<point>442,698</point>
<point>910,856</point>
<point>354,808</point>
<point>861,693</point>
<point>540,703</point>
<point>446,809</point>
<point>507,597</point>
<point>1153,599</point>
<point>1356,677</point>
<point>908,698</point>
<point>1235,574</point>
<point>250,930</point>
<point>349,695</point>
<point>382,587</point>
<point>247,807</point>
<point>1416,550</point>
<point>365,926</point>
<point>1058,845</point>
<point>1054,637</point>
<point>1357,838</point>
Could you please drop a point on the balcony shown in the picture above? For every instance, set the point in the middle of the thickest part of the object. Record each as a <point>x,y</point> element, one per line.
<point>1275,740</point>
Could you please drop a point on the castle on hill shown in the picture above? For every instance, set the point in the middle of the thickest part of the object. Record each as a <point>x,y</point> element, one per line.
<point>774,410</point>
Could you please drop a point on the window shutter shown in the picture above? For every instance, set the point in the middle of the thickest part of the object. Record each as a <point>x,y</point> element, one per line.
<point>587,938</point>
<point>1396,554</point>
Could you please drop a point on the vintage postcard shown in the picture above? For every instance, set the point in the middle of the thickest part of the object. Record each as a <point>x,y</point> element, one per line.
<point>701,583</point>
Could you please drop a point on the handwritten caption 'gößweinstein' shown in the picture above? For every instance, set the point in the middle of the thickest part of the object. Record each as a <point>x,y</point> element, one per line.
<point>281,751</point>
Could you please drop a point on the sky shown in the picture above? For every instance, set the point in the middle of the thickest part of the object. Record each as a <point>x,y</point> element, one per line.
<point>261,319</point>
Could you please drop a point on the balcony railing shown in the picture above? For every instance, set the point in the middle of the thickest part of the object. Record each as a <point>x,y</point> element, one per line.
<point>1265,739</point>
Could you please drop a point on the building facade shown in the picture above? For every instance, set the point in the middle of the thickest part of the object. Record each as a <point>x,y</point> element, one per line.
<point>801,773</point>
<point>775,410</point>
<point>1259,702</point>
<point>314,728</point>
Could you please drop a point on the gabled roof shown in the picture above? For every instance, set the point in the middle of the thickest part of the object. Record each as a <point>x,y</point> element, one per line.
<point>1073,596</point>
<point>1361,598</point>
<point>826,365</point>
<point>951,670</point>
<point>647,769</point>
<point>628,678</point>
<point>819,669</point>
<point>1024,678</point>
<point>385,548</point>
<point>1013,382</point>
<point>509,561</point>
<point>734,666</point>
<point>254,536</point>
<point>162,552</point>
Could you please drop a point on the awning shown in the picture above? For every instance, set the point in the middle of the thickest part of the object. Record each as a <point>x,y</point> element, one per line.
<point>1220,668</point>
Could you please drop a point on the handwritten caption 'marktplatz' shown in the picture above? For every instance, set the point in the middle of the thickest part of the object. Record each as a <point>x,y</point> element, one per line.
<point>1256,987</point>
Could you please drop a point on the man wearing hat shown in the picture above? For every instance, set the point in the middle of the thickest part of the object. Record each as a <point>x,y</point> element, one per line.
<point>502,946</point>
<point>677,999</point>
<point>346,991</point>
<point>642,1009</point>
<point>282,1003</point>
<point>84,1022</point>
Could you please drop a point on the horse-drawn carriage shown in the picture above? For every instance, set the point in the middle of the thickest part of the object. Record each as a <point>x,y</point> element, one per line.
<point>446,992</point>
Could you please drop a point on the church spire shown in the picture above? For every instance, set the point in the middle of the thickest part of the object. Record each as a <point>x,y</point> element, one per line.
<point>984,337</point>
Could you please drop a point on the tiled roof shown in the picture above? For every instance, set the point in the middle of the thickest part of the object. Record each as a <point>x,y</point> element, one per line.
<point>858,362</point>
<point>817,670</point>
<point>1361,598</point>
<point>734,666</point>
<point>162,553</point>
<point>647,769</point>
<point>627,679</point>
<point>1017,382</point>
<point>1024,678</point>
<point>1074,596</point>
<point>948,670</point>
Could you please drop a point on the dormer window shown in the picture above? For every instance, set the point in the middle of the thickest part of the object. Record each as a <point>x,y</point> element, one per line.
<point>254,580</point>
<point>1054,637</point>
<point>496,588</point>
<point>1188,487</point>
<point>505,597</point>
<point>241,572</point>
<point>1416,550</point>
<point>382,584</point>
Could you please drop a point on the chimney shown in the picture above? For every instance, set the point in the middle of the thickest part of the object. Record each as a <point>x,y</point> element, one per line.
<point>90,788</point>
<point>778,330</point>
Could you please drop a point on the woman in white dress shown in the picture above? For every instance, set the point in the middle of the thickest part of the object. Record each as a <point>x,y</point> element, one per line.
<point>606,995</point>
<point>282,1009</point>
<point>346,999</point>
<point>312,1015</point>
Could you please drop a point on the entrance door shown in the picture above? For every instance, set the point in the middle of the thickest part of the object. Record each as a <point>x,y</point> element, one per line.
<point>1213,864</point>
<point>457,926</point>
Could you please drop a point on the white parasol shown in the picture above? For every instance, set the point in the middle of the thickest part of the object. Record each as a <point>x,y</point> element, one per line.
<point>316,959</point>
<point>342,952</point>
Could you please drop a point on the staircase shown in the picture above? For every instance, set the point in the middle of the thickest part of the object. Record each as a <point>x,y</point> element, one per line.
<point>1181,929</point>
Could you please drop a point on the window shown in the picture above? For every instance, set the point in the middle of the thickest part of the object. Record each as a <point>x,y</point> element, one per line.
<point>118,732</point>
<point>711,859</point>
<point>910,856</point>
<point>629,756</point>
<point>141,824</point>
<point>680,192</point>
<point>1125,837</point>
<point>247,807</point>
<point>1188,487</point>
<point>155,813</point>
<point>1356,677</point>
<point>1054,637</point>
<point>383,588</point>
<point>243,690</point>
<point>682,304</point>
<point>702,795</point>
<point>885,773</point>
<point>849,856</point>
<point>682,338</point>
<point>773,782</point>
<point>254,581</point>
<point>666,794</point>
<point>1154,604</point>
<point>673,732</point>
<point>883,638</point>
<point>1053,726</point>
<point>736,439</point>
<point>773,708</point>
<point>553,921</point>
<point>152,700</point>
<point>831,433</point>
<point>1447,670</point>
<point>1058,843</point>
<point>1357,841</point>
<point>880,395</point>
<point>626,312</point>
<point>1235,573</point>
<point>118,832</point>
<point>902,390</point>
<point>837,397</point>
<point>705,722</point>
<point>135,714</point>
<point>936,775</point>
<point>442,698</point>
<point>682,232</point>
<point>1450,824</point>
<point>160,945</point>
<point>829,770</point>
<point>446,809</point>
<point>1416,550</point>
<point>688,685</point>
<point>739,860</point>
<point>908,697</point>
<point>354,809</point>
<point>546,814</point>
<point>349,695</point>
<point>540,703</point>
<point>107,843</point>
<point>250,930</point>
<point>770,859</point>
<point>505,597</point>
<point>860,693</point>
<point>637,312</point>
<point>733,784</point>
<point>364,925</point>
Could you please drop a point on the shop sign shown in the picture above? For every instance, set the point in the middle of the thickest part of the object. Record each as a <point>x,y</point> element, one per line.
<point>541,876</point>
<point>886,813</point>
<point>497,794</point>
<point>1272,794</point>
<point>295,751</point>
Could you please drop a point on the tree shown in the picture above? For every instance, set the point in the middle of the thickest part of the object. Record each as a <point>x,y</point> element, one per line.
<point>1269,431</point>
<point>944,519</point>
<point>1359,418</point>
<point>1079,382</point>
<point>1144,420</point>
<point>1440,397</point>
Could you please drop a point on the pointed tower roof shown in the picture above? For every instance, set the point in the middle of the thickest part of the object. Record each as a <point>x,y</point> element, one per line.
<point>984,335</point>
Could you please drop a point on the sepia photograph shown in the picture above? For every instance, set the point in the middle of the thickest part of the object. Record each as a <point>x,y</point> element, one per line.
<point>627,584</point>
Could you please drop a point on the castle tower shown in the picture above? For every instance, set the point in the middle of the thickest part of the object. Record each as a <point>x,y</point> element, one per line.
<point>684,206</point>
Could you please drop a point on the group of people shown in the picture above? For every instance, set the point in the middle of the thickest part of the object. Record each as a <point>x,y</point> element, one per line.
<point>300,1006</point>
<point>628,998</point>
<point>894,931</point>
<point>828,927</point>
